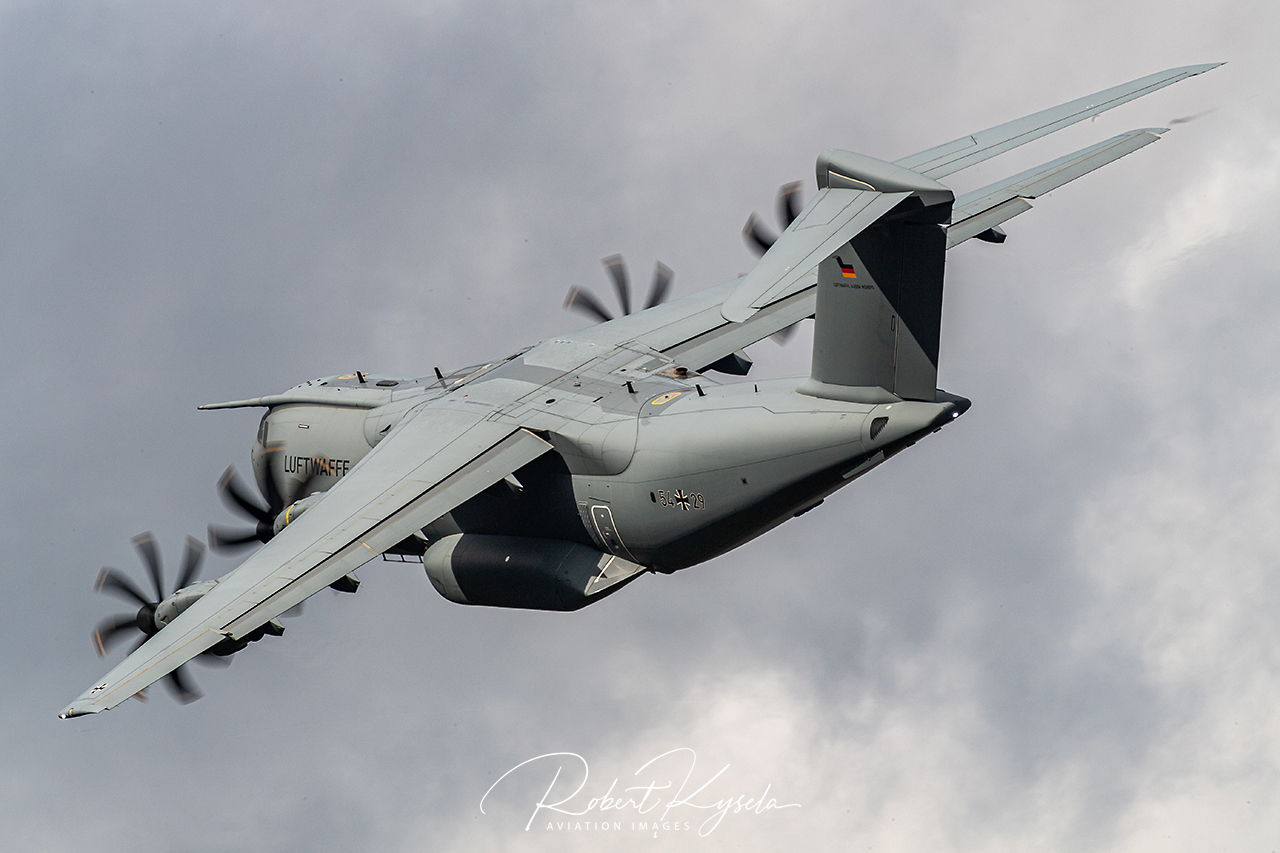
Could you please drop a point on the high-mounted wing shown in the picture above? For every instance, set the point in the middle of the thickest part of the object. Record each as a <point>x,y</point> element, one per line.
<point>692,330</point>
<point>696,331</point>
<point>983,209</point>
<point>856,191</point>
<point>424,468</point>
<point>973,149</point>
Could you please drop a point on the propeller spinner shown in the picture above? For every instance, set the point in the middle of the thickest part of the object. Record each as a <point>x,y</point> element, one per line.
<point>111,630</point>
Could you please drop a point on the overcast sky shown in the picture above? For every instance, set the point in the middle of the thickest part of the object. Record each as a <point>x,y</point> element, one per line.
<point>1051,626</point>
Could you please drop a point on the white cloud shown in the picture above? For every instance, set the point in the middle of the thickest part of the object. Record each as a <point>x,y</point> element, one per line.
<point>283,224</point>
<point>1219,199</point>
<point>1181,552</point>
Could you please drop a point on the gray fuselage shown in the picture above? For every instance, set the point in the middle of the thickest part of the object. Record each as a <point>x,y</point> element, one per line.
<point>651,463</point>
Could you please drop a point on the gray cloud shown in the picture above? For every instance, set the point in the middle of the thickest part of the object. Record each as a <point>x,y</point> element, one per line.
<point>1048,625</point>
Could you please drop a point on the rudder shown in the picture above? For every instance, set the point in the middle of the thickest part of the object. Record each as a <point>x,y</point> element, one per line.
<point>878,318</point>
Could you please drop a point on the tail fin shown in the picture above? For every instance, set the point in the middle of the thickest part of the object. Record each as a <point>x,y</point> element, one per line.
<point>879,315</point>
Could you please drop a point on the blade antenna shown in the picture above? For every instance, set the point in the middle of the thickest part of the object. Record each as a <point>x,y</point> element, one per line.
<point>618,272</point>
<point>662,276</point>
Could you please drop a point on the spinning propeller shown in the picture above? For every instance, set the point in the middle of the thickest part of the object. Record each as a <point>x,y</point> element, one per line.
<point>758,237</point>
<point>109,630</point>
<point>239,499</point>
<point>585,303</point>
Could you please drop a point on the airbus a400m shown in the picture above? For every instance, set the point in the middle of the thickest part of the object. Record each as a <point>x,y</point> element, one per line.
<point>557,475</point>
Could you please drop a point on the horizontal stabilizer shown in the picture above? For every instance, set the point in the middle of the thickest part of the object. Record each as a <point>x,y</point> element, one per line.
<point>833,218</point>
<point>975,148</point>
<point>976,212</point>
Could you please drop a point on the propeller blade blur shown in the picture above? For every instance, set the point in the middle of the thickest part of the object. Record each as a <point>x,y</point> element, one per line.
<point>585,303</point>
<point>618,272</point>
<point>224,539</point>
<point>788,203</point>
<point>109,630</point>
<point>235,496</point>
<point>192,556</point>
<point>182,687</point>
<point>145,545</point>
<point>758,238</point>
<point>662,276</point>
<point>274,496</point>
<point>112,580</point>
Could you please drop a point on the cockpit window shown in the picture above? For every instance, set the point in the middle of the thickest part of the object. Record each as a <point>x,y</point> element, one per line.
<point>262,429</point>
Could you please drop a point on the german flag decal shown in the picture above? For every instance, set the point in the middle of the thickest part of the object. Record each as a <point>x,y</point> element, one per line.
<point>846,270</point>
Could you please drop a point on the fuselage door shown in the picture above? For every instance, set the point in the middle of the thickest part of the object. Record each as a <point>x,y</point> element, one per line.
<point>602,518</point>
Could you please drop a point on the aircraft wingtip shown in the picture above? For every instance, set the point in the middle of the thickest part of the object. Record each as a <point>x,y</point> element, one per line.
<point>76,710</point>
<point>1193,70</point>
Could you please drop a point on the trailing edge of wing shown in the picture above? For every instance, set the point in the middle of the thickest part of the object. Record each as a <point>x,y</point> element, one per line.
<point>969,150</point>
<point>985,208</point>
<point>433,462</point>
<point>725,337</point>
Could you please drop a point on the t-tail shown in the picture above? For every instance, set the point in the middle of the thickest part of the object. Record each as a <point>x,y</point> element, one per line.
<point>879,302</point>
<point>877,235</point>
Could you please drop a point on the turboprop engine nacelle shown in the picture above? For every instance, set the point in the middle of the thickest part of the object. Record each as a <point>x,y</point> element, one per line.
<point>519,571</point>
<point>171,608</point>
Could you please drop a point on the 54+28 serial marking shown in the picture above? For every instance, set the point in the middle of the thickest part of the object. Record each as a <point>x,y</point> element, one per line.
<point>681,499</point>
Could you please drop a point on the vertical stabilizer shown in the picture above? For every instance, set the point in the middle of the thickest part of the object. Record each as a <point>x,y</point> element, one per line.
<point>879,315</point>
<point>879,303</point>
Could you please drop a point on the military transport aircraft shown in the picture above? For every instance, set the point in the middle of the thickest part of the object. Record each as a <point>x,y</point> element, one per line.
<point>555,476</point>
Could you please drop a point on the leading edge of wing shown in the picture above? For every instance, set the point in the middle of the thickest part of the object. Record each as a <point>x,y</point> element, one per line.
<point>985,208</point>
<point>972,149</point>
<point>433,462</point>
